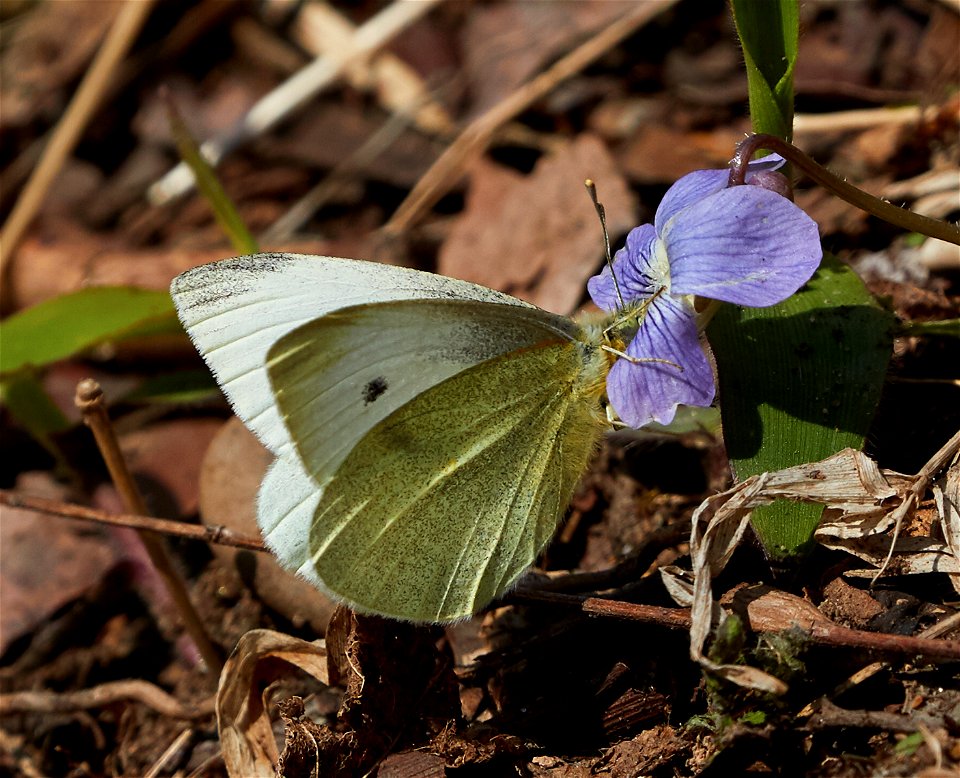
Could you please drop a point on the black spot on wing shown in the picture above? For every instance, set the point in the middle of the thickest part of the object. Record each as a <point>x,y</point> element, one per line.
<point>374,389</point>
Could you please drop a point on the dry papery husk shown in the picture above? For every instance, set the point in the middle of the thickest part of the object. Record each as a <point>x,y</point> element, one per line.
<point>865,508</point>
<point>243,721</point>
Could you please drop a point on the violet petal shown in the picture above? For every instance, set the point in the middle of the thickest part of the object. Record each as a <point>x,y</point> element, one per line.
<point>650,391</point>
<point>743,245</point>
<point>772,161</point>
<point>687,191</point>
<point>702,183</point>
<point>632,264</point>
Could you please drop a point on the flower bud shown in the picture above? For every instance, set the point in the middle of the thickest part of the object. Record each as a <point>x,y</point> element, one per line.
<point>772,180</point>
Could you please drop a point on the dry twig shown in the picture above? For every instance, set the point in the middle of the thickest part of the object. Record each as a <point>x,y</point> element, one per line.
<point>99,696</point>
<point>773,617</point>
<point>294,92</point>
<point>220,535</point>
<point>89,400</point>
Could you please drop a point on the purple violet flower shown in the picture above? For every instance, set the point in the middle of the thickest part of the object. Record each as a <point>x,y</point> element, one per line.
<point>745,245</point>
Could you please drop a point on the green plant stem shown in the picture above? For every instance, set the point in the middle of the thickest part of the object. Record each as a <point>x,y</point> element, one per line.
<point>945,327</point>
<point>889,212</point>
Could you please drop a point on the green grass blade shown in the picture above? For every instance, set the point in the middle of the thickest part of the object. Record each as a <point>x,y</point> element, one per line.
<point>24,397</point>
<point>209,185</point>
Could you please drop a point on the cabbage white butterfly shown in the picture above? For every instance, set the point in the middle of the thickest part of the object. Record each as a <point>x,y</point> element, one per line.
<point>428,432</point>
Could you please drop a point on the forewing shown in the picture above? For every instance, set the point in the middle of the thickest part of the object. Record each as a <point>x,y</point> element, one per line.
<point>235,310</point>
<point>340,375</point>
<point>440,507</point>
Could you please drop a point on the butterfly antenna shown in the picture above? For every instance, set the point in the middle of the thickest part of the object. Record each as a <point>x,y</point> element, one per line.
<point>602,214</point>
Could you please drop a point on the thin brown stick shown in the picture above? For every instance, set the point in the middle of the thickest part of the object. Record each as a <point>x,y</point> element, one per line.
<point>122,33</point>
<point>89,400</point>
<point>180,742</point>
<point>293,93</point>
<point>106,694</point>
<point>829,715</point>
<point>825,634</point>
<point>220,535</point>
<point>475,138</point>
<point>942,627</point>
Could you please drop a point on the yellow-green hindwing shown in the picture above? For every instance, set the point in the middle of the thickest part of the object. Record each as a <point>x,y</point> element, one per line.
<point>446,498</point>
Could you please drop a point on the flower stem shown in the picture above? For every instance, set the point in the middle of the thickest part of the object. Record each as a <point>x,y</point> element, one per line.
<point>882,209</point>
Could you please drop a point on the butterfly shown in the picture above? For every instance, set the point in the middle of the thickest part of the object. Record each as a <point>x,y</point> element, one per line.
<point>428,432</point>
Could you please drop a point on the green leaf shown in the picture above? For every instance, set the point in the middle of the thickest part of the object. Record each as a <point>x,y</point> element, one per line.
<point>798,382</point>
<point>769,31</point>
<point>64,326</point>
<point>910,744</point>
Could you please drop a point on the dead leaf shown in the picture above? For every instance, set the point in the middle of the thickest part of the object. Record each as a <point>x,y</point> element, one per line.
<point>45,561</point>
<point>261,657</point>
<point>947,497</point>
<point>331,133</point>
<point>412,764</point>
<point>45,54</point>
<point>848,483</point>
<point>659,154</point>
<point>60,256</point>
<point>165,458</point>
<point>848,605</point>
<point>649,751</point>
<point>506,43</point>
<point>537,237</point>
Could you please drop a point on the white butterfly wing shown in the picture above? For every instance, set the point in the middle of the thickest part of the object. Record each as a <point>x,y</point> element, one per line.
<point>286,505</point>
<point>235,310</point>
<point>433,510</point>
<point>339,376</point>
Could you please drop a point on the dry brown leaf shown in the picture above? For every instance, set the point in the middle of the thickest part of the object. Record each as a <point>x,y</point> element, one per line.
<point>45,54</point>
<point>62,257</point>
<point>659,154</point>
<point>412,764</point>
<point>45,562</point>
<point>858,534</point>
<point>947,497</point>
<point>537,237</point>
<point>330,133</point>
<point>164,458</point>
<point>506,43</point>
<point>261,656</point>
<point>643,754</point>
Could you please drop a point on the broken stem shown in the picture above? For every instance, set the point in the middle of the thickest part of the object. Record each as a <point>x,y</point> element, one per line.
<point>89,399</point>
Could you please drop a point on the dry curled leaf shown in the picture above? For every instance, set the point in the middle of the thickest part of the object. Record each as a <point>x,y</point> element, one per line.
<point>861,500</point>
<point>261,657</point>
